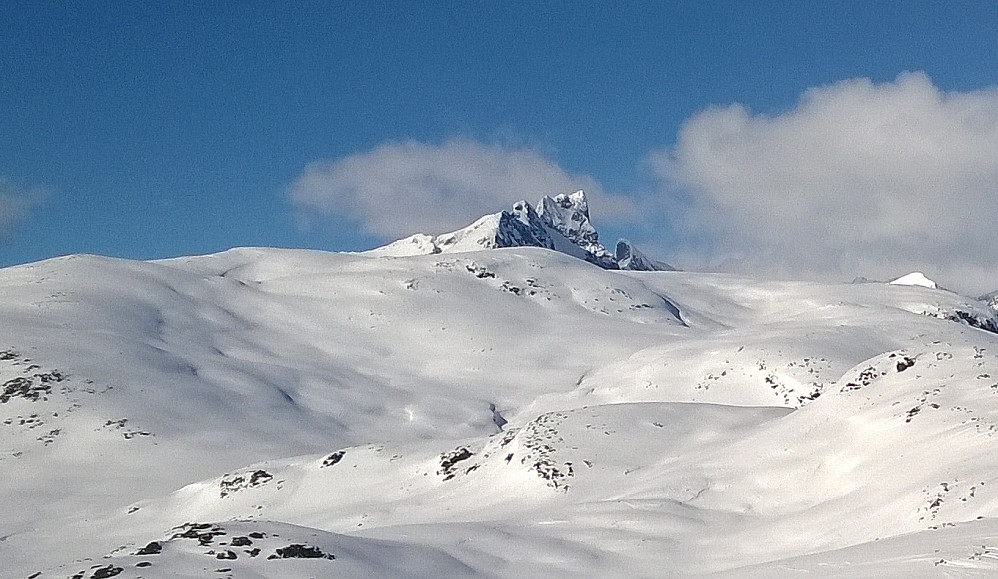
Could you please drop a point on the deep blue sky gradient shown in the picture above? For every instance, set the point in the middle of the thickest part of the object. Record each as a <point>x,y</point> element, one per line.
<point>159,129</point>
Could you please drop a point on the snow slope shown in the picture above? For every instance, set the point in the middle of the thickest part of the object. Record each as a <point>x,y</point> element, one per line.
<point>281,413</point>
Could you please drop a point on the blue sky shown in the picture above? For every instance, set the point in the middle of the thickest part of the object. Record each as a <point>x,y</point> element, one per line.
<point>147,130</point>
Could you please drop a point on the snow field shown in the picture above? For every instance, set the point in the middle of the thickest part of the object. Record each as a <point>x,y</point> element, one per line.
<point>659,423</point>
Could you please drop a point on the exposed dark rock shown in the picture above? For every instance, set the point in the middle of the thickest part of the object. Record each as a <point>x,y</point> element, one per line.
<point>53,376</point>
<point>205,533</point>
<point>24,388</point>
<point>449,459</point>
<point>865,378</point>
<point>243,481</point>
<point>105,572</point>
<point>299,551</point>
<point>479,271</point>
<point>973,321</point>
<point>905,363</point>
<point>154,548</point>
<point>333,458</point>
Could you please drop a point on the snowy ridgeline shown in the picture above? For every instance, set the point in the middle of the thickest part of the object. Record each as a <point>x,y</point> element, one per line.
<point>514,412</point>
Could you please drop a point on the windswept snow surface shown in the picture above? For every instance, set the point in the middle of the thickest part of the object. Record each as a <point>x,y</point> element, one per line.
<point>513,412</point>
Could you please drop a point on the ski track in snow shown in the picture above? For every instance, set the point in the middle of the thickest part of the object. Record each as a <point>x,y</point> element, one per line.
<point>285,413</point>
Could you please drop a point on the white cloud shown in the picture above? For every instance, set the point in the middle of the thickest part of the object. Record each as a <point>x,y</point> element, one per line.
<point>398,189</point>
<point>859,179</point>
<point>15,202</point>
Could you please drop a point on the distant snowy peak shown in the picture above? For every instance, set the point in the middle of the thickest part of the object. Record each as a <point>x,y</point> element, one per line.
<point>559,223</point>
<point>628,257</point>
<point>915,278</point>
<point>991,299</point>
<point>418,244</point>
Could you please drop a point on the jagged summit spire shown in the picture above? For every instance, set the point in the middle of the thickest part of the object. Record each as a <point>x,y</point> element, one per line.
<point>569,214</point>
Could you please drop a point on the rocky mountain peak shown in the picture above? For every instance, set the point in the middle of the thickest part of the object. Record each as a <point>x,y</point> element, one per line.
<point>569,215</point>
<point>628,257</point>
<point>560,223</point>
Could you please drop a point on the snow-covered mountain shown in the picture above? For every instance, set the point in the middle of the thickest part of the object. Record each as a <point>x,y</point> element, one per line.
<point>991,299</point>
<point>505,412</point>
<point>560,223</point>
<point>915,278</point>
<point>628,257</point>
